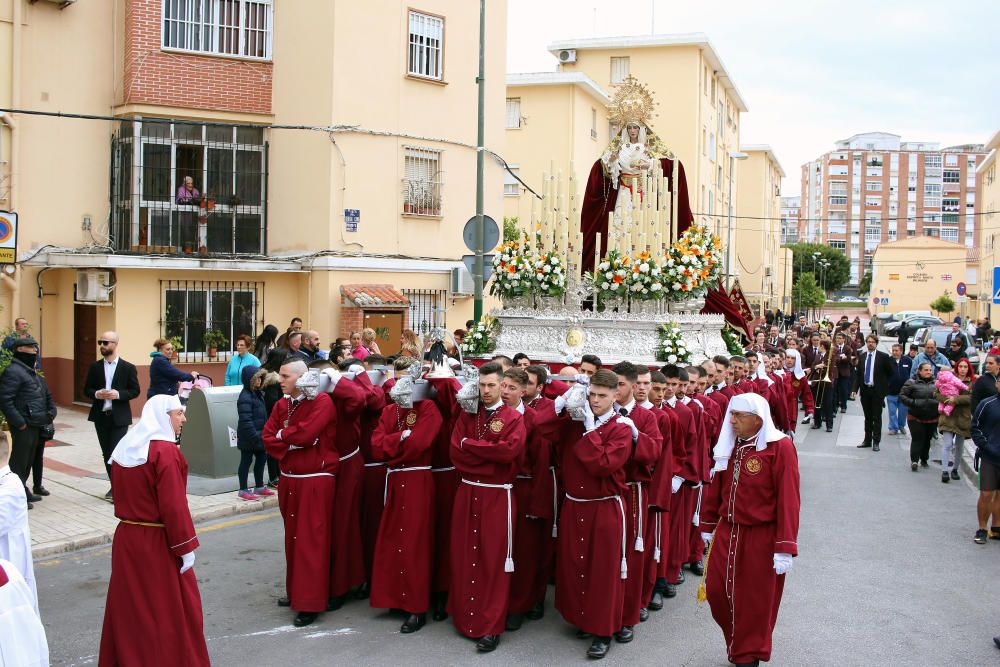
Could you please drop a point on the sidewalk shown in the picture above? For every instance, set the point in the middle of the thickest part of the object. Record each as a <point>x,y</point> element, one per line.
<point>76,515</point>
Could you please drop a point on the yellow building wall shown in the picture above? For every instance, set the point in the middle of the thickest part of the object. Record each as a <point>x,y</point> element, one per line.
<point>988,191</point>
<point>757,231</point>
<point>914,272</point>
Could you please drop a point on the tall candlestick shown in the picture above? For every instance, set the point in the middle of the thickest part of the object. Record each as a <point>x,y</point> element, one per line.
<point>674,192</point>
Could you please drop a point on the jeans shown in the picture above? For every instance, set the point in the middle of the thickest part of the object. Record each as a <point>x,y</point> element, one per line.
<point>897,413</point>
<point>952,446</point>
<point>920,440</point>
<point>259,460</point>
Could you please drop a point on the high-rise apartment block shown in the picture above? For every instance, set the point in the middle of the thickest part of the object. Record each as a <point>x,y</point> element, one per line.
<point>790,207</point>
<point>873,188</point>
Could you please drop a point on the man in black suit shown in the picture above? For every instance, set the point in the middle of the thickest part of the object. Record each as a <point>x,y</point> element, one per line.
<point>874,371</point>
<point>111,383</point>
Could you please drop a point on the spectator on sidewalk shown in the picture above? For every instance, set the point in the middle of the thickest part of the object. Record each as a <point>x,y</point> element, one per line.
<point>242,359</point>
<point>15,534</point>
<point>918,396</point>
<point>901,365</point>
<point>986,385</point>
<point>956,350</point>
<point>163,376</point>
<point>22,330</point>
<point>252,415</point>
<point>265,342</point>
<point>363,344</point>
<point>266,381</point>
<point>930,356</point>
<point>28,408</point>
<point>111,383</point>
<point>294,325</point>
<point>295,351</point>
<point>986,434</point>
<point>954,427</point>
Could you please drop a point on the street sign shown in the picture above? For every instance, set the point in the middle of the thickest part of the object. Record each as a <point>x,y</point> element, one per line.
<point>885,301</point>
<point>352,216</point>
<point>961,299</point>
<point>996,284</point>
<point>470,264</point>
<point>960,289</point>
<point>491,234</point>
<point>8,237</point>
<point>875,300</point>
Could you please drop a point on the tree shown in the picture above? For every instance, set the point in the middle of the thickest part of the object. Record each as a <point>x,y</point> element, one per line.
<point>806,293</point>
<point>944,304</point>
<point>510,230</point>
<point>865,285</point>
<point>835,277</point>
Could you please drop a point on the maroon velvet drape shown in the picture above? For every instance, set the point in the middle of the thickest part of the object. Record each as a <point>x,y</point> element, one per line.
<point>599,200</point>
<point>718,302</point>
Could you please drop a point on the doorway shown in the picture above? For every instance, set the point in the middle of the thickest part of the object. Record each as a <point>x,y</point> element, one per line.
<point>84,347</point>
<point>388,326</point>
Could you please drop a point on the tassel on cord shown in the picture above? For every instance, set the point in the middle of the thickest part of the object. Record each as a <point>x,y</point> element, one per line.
<point>702,590</point>
<point>639,544</point>
<point>508,565</point>
<point>624,569</point>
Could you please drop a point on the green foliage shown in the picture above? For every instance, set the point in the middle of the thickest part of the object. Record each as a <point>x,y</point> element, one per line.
<point>214,338</point>
<point>806,293</point>
<point>944,304</point>
<point>835,277</point>
<point>732,340</point>
<point>510,230</point>
<point>865,285</point>
<point>177,342</point>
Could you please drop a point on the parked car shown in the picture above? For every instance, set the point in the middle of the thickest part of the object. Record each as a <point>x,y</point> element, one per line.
<point>940,335</point>
<point>879,320</point>
<point>906,314</point>
<point>913,323</point>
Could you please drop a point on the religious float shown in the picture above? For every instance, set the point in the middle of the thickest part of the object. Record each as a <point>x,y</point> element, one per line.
<point>624,273</point>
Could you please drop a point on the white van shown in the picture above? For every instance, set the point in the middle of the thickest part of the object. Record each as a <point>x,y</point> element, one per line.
<point>904,314</point>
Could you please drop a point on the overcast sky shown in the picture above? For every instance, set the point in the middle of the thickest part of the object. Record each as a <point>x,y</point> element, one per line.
<point>811,72</point>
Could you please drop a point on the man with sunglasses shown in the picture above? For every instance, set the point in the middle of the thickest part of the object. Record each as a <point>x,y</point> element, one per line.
<point>111,383</point>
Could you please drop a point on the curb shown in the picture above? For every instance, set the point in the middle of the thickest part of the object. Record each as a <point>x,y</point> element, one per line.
<point>97,538</point>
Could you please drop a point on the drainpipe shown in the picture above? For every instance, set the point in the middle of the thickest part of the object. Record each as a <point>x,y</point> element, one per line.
<point>13,284</point>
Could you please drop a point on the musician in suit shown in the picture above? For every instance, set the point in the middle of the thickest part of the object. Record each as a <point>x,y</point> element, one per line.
<point>875,370</point>
<point>111,383</point>
<point>845,358</point>
<point>816,356</point>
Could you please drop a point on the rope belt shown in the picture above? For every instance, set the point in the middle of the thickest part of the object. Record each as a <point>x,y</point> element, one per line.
<point>621,507</point>
<point>696,519</point>
<point>445,469</point>
<point>347,456</point>
<point>555,503</point>
<point>508,565</point>
<point>312,474</point>
<point>390,471</point>
<point>142,523</point>
<point>639,544</point>
<point>374,463</point>
<point>656,545</point>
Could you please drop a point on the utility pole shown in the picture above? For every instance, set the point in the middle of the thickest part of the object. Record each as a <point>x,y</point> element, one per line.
<point>477,276</point>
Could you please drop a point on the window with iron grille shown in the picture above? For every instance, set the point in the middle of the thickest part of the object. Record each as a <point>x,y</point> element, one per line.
<point>224,27</point>
<point>427,309</point>
<point>191,307</point>
<point>422,181</point>
<point>426,46</point>
<point>221,211</point>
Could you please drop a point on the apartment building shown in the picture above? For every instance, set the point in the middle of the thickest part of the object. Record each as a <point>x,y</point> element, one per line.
<point>875,188</point>
<point>259,160</point>
<point>989,204</point>
<point>790,220</point>
<point>757,258</point>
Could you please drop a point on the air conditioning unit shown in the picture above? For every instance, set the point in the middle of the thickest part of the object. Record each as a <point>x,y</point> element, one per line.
<point>93,287</point>
<point>63,4</point>
<point>567,56</point>
<point>461,281</point>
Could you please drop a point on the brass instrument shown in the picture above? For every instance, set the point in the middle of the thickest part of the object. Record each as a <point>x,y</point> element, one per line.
<point>825,380</point>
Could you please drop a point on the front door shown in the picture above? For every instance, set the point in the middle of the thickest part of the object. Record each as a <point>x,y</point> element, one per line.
<point>388,326</point>
<point>84,347</point>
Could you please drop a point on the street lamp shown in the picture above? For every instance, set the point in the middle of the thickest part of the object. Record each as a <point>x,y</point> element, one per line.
<point>733,156</point>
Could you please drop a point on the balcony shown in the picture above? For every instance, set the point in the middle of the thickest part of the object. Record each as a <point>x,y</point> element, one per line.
<point>185,188</point>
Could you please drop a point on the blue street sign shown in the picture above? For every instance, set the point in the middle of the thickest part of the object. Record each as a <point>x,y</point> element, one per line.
<point>960,289</point>
<point>996,284</point>
<point>885,301</point>
<point>352,216</point>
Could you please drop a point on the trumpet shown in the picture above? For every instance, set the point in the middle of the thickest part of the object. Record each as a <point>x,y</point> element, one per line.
<point>825,380</point>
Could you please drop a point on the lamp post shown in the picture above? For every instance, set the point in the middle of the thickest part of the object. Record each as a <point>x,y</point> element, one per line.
<point>733,156</point>
<point>815,256</point>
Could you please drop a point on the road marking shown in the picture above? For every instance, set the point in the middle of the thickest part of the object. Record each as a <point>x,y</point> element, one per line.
<point>285,629</point>
<point>826,455</point>
<point>237,522</point>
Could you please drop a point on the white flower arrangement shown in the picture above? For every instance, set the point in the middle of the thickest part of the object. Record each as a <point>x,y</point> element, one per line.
<point>672,347</point>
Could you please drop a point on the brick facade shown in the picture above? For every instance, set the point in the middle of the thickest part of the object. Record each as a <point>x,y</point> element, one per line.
<point>155,76</point>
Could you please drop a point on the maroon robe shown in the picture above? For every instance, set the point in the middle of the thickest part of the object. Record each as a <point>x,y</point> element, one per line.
<point>306,494</point>
<point>798,390</point>
<point>682,507</point>
<point>404,553</point>
<point>153,613</point>
<point>445,479</point>
<point>660,499</point>
<point>373,485</point>
<point>591,569</point>
<point>349,398</point>
<point>486,450</point>
<point>755,515</point>
<point>779,401</point>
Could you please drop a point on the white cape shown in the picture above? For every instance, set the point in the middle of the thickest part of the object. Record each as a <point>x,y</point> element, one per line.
<point>15,536</point>
<point>22,637</point>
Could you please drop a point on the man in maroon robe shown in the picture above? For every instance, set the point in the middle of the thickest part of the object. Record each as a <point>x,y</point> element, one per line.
<point>592,565</point>
<point>487,449</point>
<point>684,481</point>
<point>661,502</point>
<point>751,514</point>
<point>373,484</point>
<point>299,434</point>
<point>404,552</point>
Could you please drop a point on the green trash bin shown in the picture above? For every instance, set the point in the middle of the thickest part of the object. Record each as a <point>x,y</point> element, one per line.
<point>208,440</point>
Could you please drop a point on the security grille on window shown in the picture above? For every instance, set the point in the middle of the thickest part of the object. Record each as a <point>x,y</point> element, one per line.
<point>620,69</point>
<point>190,308</point>
<point>952,176</point>
<point>426,46</point>
<point>511,186</point>
<point>422,182</point>
<point>513,113</point>
<point>427,309</point>
<point>225,27</point>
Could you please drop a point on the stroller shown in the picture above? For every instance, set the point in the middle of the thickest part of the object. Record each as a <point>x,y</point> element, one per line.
<point>184,388</point>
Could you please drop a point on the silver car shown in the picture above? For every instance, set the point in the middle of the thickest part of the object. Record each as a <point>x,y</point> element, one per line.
<point>940,336</point>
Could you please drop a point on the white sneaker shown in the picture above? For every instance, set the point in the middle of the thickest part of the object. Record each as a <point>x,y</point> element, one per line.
<point>808,419</point>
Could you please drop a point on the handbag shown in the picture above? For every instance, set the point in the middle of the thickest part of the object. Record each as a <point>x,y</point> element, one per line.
<point>47,432</point>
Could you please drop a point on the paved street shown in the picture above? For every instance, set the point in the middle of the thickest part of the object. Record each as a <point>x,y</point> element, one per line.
<point>888,575</point>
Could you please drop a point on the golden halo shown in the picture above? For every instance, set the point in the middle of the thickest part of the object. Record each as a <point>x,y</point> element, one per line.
<point>632,101</point>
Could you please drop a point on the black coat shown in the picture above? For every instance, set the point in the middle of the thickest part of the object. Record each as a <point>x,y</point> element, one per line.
<point>164,376</point>
<point>918,396</point>
<point>125,380</point>
<point>24,397</point>
<point>883,371</point>
<point>267,382</point>
<point>252,415</point>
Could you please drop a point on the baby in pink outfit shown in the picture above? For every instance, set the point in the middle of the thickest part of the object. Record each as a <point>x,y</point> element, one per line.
<point>948,385</point>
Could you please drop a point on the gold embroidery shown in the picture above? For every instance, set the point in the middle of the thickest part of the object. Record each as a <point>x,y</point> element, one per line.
<point>411,419</point>
<point>496,425</point>
<point>753,465</point>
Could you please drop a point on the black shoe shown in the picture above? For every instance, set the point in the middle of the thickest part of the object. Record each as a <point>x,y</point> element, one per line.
<point>945,478</point>
<point>305,618</point>
<point>514,621</point>
<point>273,484</point>
<point>752,663</point>
<point>335,603</point>
<point>816,426</point>
<point>599,647</point>
<point>954,475</point>
<point>625,635</point>
<point>32,498</point>
<point>996,640</point>
<point>656,604</point>
<point>913,466</point>
<point>864,444</point>
<point>923,464</point>
<point>440,612</point>
<point>680,578</point>
<point>875,447</point>
<point>108,496</point>
<point>829,428</point>
<point>536,613</point>
<point>413,623</point>
<point>980,537</point>
<point>362,592</point>
<point>697,569</point>
<point>31,506</point>
<point>670,591</point>
<point>285,602</point>
<point>488,643</point>
<point>40,491</point>
<point>643,615</point>
<point>580,634</point>
<point>995,533</point>
<point>843,411</point>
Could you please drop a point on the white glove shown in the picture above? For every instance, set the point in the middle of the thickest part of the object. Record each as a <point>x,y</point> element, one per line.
<point>782,563</point>
<point>334,376</point>
<point>675,483</point>
<point>404,435</point>
<point>706,537</point>
<point>357,369</point>
<point>187,561</point>
<point>631,424</point>
<point>560,404</point>
<point>583,379</point>
<point>588,418</point>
